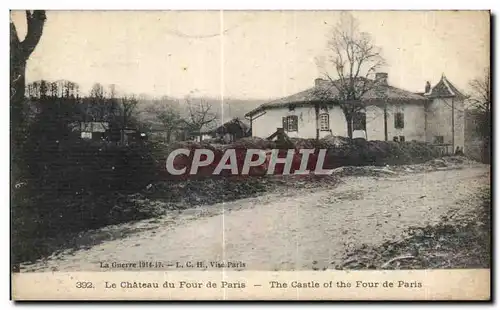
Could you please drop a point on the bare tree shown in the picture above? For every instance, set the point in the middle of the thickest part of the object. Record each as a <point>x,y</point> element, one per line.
<point>70,89</point>
<point>200,115</point>
<point>128,105</point>
<point>352,62</point>
<point>53,89</point>
<point>20,51</point>
<point>44,89</point>
<point>96,107</point>
<point>111,103</point>
<point>112,92</point>
<point>33,90</point>
<point>97,92</point>
<point>168,116</point>
<point>480,96</point>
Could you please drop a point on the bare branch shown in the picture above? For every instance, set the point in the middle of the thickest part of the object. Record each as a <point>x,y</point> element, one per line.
<point>481,91</point>
<point>200,114</point>
<point>36,21</point>
<point>354,59</point>
<point>14,38</point>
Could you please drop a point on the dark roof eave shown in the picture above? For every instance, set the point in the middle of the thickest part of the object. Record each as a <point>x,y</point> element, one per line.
<point>397,99</point>
<point>460,97</point>
<point>285,104</point>
<point>305,103</point>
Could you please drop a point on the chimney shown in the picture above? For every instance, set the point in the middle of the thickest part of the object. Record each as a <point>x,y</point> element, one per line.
<point>381,77</point>
<point>427,87</point>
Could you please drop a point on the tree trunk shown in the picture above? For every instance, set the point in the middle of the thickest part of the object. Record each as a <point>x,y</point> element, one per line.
<point>386,135</point>
<point>316,111</point>
<point>124,124</point>
<point>348,118</point>
<point>17,99</point>
<point>169,135</point>
<point>19,54</point>
<point>17,86</point>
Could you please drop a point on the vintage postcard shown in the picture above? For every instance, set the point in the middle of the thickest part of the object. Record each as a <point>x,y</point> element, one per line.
<point>250,155</point>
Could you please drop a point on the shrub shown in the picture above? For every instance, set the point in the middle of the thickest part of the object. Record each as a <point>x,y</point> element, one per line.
<point>340,152</point>
<point>73,186</point>
<point>77,185</point>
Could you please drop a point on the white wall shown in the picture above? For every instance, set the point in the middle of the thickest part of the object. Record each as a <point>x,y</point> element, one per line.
<point>439,121</point>
<point>338,124</point>
<point>414,122</point>
<point>205,137</point>
<point>459,123</point>
<point>266,125</point>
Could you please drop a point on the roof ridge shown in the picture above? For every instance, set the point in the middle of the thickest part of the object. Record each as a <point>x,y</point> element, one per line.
<point>445,81</point>
<point>444,88</point>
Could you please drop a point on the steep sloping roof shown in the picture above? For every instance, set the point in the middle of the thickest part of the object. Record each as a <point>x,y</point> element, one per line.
<point>94,126</point>
<point>325,89</point>
<point>231,126</point>
<point>444,88</point>
<point>306,96</point>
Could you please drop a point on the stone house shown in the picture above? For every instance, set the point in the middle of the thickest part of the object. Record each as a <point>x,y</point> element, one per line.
<point>435,116</point>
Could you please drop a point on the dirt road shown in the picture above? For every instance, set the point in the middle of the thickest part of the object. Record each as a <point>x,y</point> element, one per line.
<point>289,230</point>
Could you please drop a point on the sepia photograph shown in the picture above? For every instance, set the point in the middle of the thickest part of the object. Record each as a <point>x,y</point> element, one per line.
<point>210,153</point>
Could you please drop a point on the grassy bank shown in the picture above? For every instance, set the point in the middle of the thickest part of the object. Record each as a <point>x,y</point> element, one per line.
<point>76,186</point>
<point>457,241</point>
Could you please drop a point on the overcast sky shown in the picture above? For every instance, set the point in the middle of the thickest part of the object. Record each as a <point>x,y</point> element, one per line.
<point>259,54</point>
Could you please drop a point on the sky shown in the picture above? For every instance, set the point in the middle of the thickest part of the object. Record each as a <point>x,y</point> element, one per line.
<point>247,54</point>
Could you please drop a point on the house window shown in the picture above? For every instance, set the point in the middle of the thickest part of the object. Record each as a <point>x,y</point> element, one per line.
<point>401,138</point>
<point>359,121</point>
<point>86,135</point>
<point>438,140</point>
<point>395,139</point>
<point>290,123</point>
<point>399,120</point>
<point>324,122</point>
